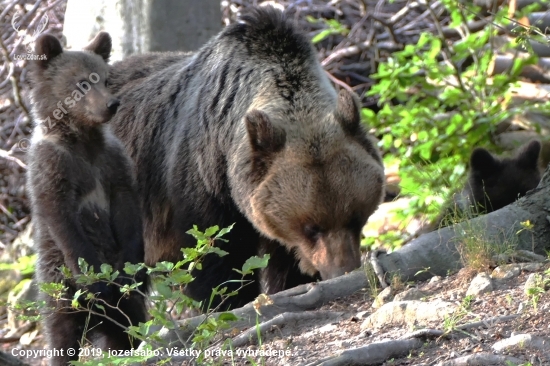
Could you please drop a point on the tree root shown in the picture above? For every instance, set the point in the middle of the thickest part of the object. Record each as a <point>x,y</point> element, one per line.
<point>282,320</point>
<point>372,354</point>
<point>295,300</point>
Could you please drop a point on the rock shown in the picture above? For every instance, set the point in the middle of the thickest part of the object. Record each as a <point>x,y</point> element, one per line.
<point>530,267</point>
<point>385,296</point>
<point>523,341</point>
<point>480,284</point>
<point>435,279</point>
<point>506,271</point>
<point>411,294</point>
<point>409,313</point>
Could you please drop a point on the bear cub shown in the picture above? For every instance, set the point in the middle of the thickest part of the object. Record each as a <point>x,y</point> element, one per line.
<point>494,183</point>
<point>83,196</point>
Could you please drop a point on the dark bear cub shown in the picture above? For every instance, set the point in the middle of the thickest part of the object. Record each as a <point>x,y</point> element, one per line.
<point>83,196</point>
<point>494,183</point>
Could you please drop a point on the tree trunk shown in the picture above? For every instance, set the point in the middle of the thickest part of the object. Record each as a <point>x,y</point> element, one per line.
<point>139,26</point>
<point>437,252</point>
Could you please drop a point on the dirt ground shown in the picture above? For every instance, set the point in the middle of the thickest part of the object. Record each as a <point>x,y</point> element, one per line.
<point>307,342</point>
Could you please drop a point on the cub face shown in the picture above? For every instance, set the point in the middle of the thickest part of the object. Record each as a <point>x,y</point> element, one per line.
<point>495,183</point>
<point>74,82</point>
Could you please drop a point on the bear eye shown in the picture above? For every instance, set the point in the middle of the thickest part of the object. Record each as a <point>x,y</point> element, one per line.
<point>312,232</point>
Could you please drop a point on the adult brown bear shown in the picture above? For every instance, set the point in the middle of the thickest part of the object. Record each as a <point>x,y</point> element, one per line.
<point>250,131</point>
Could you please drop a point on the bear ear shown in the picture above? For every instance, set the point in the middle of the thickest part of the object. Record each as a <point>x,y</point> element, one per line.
<point>262,134</point>
<point>101,45</point>
<point>528,157</point>
<point>483,162</point>
<point>48,46</point>
<point>347,111</point>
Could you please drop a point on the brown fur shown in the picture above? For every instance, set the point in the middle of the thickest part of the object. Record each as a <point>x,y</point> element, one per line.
<point>82,194</point>
<point>135,68</point>
<point>250,131</point>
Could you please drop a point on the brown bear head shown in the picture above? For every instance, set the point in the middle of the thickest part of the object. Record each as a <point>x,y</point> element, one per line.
<point>73,83</point>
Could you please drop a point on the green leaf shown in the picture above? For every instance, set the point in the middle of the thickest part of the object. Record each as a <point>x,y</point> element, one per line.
<point>228,317</point>
<point>163,290</point>
<point>321,36</point>
<point>255,262</point>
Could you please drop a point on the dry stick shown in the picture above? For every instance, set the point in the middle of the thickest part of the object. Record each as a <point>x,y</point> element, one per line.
<point>13,79</point>
<point>413,22</point>
<point>280,320</point>
<point>488,322</point>
<point>403,12</point>
<point>339,82</point>
<point>7,9</point>
<point>387,25</point>
<point>377,268</point>
<point>6,155</point>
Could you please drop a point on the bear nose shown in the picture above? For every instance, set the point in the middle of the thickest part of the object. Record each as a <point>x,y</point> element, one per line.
<point>113,105</point>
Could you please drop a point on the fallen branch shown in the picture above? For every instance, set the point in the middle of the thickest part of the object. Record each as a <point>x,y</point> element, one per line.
<point>487,323</point>
<point>6,155</point>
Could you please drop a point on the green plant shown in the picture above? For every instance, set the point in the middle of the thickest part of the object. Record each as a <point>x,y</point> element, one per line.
<point>434,111</point>
<point>372,279</point>
<point>477,248</point>
<point>450,323</point>
<point>333,27</point>
<point>167,299</point>
<point>537,289</point>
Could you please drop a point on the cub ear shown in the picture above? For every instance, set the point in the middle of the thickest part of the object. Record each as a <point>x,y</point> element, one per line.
<point>347,111</point>
<point>262,134</point>
<point>482,162</point>
<point>48,46</point>
<point>101,45</point>
<point>528,156</point>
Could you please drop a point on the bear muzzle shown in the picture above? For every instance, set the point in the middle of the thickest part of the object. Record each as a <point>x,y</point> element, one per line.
<point>336,254</point>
